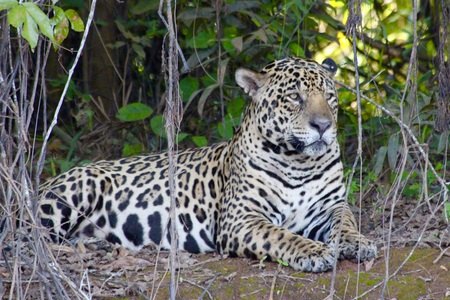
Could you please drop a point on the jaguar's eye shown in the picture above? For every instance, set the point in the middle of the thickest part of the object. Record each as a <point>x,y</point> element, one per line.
<point>328,96</point>
<point>295,97</point>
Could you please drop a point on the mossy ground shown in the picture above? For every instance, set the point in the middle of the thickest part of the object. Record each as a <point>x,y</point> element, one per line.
<point>144,275</point>
<point>418,278</point>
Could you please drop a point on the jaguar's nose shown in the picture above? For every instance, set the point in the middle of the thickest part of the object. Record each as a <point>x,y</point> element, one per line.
<point>320,124</point>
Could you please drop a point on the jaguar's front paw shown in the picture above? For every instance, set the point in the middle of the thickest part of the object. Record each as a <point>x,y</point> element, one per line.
<point>357,247</point>
<point>318,257</point>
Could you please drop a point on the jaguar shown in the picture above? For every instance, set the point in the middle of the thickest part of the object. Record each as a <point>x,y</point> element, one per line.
<point>274,191</point>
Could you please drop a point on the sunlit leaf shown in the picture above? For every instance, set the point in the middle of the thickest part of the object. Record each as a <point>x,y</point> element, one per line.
<point>17,16</point>
<point>134,112</point>
<point>59,15</point>
<point>61,31</point>
<point>75,21</point>
<point>30,32</point>
<point>297,50</point>
<point>7,4</point>
<point>40,18</point>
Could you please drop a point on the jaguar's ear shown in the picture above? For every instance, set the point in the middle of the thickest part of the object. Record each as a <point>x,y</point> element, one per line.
<point>249,80</point>
<point>329,65</point>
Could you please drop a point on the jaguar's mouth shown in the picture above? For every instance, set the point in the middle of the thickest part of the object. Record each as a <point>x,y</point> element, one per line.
<point>317,146</point>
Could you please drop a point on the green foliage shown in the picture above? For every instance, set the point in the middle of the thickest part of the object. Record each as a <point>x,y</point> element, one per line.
<point>27,16</point>
<point>215,41</point>
<point>283,263</point>
<point>134,112</point>
<point>200,141</point>
<point>158,123</point>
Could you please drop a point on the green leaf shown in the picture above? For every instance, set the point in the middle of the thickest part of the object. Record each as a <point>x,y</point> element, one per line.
<point>297,50</point>
<point>40,18</point>
<point>189,15</point>
<point>380,157</point>
<point>17,16</point>
<point>236,107</point>
<point>393,149</point>
<point>134,112</point>
<point>75,21</point>
<point>130,150</point>
<point>202,40</point>
<point>144,6</point>
<point>181,136</point>
<point>61,31</point>
<point>30,32</point>
<point>229,128</point>
<point>157,125</point>
<point>200,141</point>
<point>139,50</point>
<point>58,15</point>
<point>188,85</point>
<point>238,43</point>
<point>282,263</point>
<point>65,165</point>
<point>443,142</point>
<point>7,4</point>
<point>204,97</point>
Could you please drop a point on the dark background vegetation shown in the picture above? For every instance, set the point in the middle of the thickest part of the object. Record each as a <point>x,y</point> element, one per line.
<point>122,65</point>
<point>394,142</point>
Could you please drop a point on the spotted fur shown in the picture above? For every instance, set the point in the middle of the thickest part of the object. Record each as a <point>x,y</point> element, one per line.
<point>274,190</point>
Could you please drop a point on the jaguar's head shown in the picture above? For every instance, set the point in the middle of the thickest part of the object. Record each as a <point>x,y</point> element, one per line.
<point>295,103</point>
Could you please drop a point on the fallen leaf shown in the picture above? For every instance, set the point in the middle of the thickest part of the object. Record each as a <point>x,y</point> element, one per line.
<point>123,252</point>
<point>230,277</point>
<point>126,263</point>
<point>62,248</point>
<point>80,247</point>
<point>369,264</point>
<point>425,279</point>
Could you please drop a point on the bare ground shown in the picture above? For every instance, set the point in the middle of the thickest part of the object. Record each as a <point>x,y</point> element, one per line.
<point>417,266</point>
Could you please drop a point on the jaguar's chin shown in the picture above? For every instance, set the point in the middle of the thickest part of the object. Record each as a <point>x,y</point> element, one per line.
<point>317,148</point>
